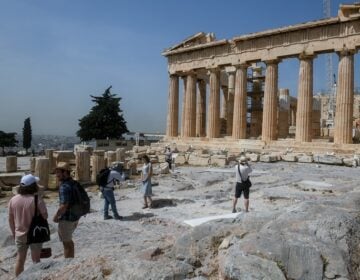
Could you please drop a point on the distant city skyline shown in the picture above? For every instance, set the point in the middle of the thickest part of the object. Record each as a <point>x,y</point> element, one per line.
<point>55,54</point>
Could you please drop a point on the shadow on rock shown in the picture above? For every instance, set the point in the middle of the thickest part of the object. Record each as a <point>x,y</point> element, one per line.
<point>162,202</point>
<point>137,216</point>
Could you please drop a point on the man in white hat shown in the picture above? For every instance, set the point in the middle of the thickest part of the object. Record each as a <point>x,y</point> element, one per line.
<point>21,211</point>
<point>242,171</point>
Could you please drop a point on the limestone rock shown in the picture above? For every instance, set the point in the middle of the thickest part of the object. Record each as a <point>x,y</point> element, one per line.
<point>305,158</point>
<point>328,159</point>
<point>218,160</point>
<point>199,160</point>
<point>289,157</point>
<point>268,158</point>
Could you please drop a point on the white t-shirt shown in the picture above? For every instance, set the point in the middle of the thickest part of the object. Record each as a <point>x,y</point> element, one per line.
<point>245,171</point>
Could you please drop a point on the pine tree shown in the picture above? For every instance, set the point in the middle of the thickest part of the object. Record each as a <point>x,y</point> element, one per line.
<point>27,135</point>
<point>105,119</point>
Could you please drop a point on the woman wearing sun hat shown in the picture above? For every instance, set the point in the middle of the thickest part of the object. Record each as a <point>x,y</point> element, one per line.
<point>21,210</point>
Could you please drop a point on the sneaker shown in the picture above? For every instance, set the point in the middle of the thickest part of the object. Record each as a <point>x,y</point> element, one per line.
<point>119,217</point>
<point>234,210</point>
<point>108,217</point>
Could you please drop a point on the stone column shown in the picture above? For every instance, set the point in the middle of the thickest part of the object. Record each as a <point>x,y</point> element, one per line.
<point>173,107</point>
<point>284,107</point>
<point>110,158</point>
<point>305,96</point>
<point>224,99</point>
<point>190,106</point>
<point>240,106</point>
<point>11,164</point>
<point>183,106</point>
<point>269,125</point>
<point>230,103</point>
<point>344,98</point>
<point>98,163</point>
<point>256,102</point>
<point>42,170</point>
<point>82,171</point>
<point>49,153</point>
<point>201,110</point>
<point>213,129</point>
<point>316,117</point>
<point>223,110</point>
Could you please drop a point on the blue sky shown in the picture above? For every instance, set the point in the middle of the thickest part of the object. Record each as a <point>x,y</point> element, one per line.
<point>54,54</point>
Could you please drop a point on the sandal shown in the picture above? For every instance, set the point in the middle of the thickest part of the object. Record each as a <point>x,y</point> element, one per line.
<point>145,206</point>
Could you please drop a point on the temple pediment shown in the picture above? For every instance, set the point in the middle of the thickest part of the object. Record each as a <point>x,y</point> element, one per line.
<point>194,40</point>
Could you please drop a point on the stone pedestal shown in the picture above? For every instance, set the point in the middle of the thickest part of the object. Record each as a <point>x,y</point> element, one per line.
<point>42,170</point>
<point>173,109</point>
<point>120,154</point>
<point>82,171</point>
<point>11,164</point>
<point>269,124</point>
<point>49,153</point>
<point>98,163</point>
<point>32,164</point>
<point>110,158</point>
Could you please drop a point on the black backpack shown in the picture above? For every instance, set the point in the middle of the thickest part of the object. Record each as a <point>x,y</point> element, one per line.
<point>102,177</point>
<point>80,205</point>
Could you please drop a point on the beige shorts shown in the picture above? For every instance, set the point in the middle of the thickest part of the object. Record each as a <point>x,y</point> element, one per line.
<point>21,245</point>
<point>66,230</point>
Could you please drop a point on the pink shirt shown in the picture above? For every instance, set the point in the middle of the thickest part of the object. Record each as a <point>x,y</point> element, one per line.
<point>21,211</point>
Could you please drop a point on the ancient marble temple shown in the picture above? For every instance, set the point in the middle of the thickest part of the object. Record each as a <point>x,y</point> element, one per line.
<point>226,94</point>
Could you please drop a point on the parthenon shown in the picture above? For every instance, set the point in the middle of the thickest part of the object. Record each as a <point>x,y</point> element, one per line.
<point>252,106</point>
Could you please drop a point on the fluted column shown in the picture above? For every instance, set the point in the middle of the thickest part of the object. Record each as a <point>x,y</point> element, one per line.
<point>283,115</point>
<point>183,106</point>
<point>240,108</point>
<point>305,97</point>
<point>344,98</point>
<point>214,104</point>
<point>269,126</point>
<point>230,107</point>
<point>82,171</point>
<point>173,107</point>
<point>97,163</point>
<point>190,106</point>
<point>201,110</point>
<point>224,100</point>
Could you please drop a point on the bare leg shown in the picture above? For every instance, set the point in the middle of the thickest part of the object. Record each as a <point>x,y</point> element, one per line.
<point>234,204</point>
<point>69,249</point>
<point>246,204</point>
<point>145,202</point>
<point>150,201</point>
<point>20,260</point>
<point>35,255</point>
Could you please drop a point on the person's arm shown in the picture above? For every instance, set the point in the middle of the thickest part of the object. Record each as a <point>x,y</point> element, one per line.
<point>11,221</point>
<point>61,211</point>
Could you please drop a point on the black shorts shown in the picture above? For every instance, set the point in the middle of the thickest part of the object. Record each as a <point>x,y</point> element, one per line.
<point>239,189</point>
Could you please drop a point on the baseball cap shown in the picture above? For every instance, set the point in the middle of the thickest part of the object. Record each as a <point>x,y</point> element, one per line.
<point>28,180</point>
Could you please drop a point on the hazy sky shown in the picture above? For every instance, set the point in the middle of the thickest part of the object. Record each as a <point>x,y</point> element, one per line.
<point>54,54</point>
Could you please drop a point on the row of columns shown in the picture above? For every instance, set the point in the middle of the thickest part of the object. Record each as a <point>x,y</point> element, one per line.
<point>194,106</point>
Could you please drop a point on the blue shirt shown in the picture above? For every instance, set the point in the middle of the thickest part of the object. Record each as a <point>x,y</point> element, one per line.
<point>66,197</point>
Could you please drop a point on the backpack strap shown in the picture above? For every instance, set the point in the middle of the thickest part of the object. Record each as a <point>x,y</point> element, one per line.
<point>36,205</point>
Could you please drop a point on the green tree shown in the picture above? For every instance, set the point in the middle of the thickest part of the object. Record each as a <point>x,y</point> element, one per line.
<point>105,119</point>
<point>7,140</point>
<point>27,135</point>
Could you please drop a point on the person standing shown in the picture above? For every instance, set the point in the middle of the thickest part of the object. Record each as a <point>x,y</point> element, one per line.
<point>21,212</point>
<point>108,193</point>
<point>245,169</point>
<point>67,221</point>
<point>168,156</point>
<point>146,175</point>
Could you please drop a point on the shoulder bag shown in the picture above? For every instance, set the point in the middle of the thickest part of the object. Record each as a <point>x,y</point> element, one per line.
<point>39,231</point>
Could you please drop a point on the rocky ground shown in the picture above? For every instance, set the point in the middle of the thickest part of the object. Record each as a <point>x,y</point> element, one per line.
<point>303,224</point>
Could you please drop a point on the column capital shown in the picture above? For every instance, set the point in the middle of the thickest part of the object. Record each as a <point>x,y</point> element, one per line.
<point>345,51</point>
<point>242,65</point>
<point>272,61</point>
<point>306,56</point>
<point>230,70</point>
<point>213,69</point>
